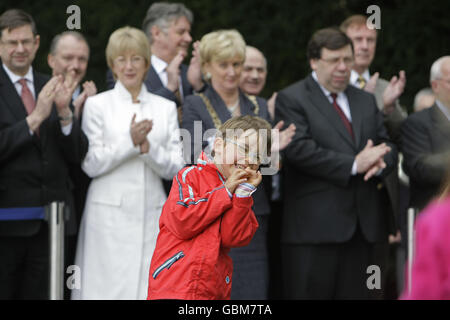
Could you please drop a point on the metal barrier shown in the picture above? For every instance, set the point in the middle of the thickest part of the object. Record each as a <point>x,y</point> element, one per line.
<point>56,219</point>
<point>412,213</point>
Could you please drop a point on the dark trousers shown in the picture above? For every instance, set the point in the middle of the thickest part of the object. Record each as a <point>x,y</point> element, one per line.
<point>251,266</point>
<point>24,266</point>
<point>332,271</point>
<point>274,251</point>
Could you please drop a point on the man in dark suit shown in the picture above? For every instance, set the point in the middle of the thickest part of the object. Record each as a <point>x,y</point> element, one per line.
<point>37,141</point>
<point>426,140</point>
<point>168,27</point>
<point>334,227</point>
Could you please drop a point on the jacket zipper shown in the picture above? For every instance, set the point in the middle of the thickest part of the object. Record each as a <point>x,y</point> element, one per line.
<point>168,263</point>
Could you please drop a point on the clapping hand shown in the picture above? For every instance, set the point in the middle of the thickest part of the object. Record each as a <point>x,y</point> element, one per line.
<point>89,89</point>
<point>393,91</point>
<point>44,103</point>
<point>65,90</point>
<point>194,73</point>
<point>139,131</point>
<point>370,160</point>
<point>281,139</point>
<point>173,72</point>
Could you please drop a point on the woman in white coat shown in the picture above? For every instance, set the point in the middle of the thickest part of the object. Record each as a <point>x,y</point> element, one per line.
<point>133,143</point>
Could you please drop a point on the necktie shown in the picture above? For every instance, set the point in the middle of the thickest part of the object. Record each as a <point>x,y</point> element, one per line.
<point>27,96</point>
<point>178,95</point>
<point>344,118</point>
<point>361,81</point>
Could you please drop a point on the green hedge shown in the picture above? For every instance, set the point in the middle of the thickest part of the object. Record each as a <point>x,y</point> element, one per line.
<point>413,33</point>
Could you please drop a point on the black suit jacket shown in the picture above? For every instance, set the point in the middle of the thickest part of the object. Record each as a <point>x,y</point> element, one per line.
<point>323,201</point>
<point>33,171</point>
<point>194,109</point>
<point>426,150</point>
<point>154,84</point>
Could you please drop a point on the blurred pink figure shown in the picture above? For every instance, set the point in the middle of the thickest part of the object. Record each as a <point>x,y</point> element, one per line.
<point>431,267</point>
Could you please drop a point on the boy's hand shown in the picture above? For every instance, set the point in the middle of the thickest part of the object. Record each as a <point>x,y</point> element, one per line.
<point>254,177</point>
<point>236,178</point>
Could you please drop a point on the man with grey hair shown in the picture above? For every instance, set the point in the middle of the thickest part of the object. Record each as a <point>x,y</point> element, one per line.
<point>426,139</point>
<point>424,99</point>
<point>168,27</point>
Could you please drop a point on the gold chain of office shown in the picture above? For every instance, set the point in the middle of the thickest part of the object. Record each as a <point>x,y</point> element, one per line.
<point>212,112</point>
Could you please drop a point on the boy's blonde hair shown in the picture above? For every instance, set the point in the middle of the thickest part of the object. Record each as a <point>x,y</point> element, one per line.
<point>235,126</point>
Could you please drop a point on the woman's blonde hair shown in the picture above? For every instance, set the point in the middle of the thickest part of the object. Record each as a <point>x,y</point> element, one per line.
<point>127,39</point>
<point>221,45</point>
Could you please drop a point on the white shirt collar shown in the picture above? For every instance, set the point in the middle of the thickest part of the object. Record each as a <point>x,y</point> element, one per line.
<point>125,94</point>
<point>355,75</point>
<point>158,64</point>
<point>443,108</point>
<point>341,98</point>
<point>325,91</point>
<point>15,78</point>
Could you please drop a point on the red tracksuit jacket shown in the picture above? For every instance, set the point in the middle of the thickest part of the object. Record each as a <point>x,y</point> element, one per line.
<point>199,224</point>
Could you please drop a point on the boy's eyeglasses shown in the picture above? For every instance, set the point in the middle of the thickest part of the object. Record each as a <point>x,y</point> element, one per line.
<point>254,158</point>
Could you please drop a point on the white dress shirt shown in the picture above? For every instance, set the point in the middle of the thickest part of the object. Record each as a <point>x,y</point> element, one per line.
<point>355,75</point>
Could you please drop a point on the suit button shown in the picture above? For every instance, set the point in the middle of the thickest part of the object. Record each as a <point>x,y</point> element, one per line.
<point>227,279</point>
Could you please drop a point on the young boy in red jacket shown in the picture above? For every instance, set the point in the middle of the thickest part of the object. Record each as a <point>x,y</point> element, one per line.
<point>208,211</point>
